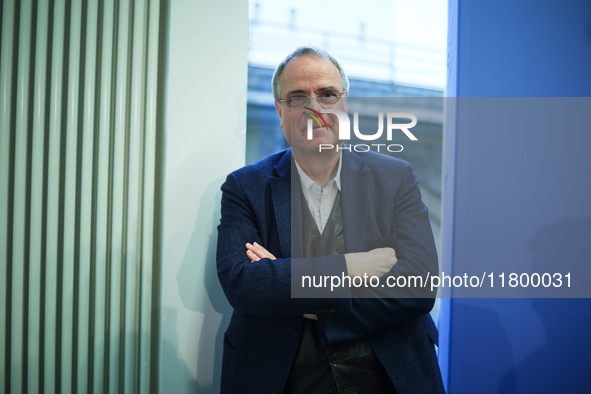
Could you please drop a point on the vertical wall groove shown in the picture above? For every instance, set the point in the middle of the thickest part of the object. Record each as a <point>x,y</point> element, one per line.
<point>77,342</point>
<point>81,139</point>
<point>126,46</point>
<point>11,112</point>
<point>93,225</point>
<point>28,200</point>
<point>108,302</point>
<point>45,79</point>
<point>63,140</point>
<point>5,80</point>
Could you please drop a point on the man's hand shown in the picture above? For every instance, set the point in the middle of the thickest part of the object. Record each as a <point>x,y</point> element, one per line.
<point>255,252</point>
<point>377,262</point>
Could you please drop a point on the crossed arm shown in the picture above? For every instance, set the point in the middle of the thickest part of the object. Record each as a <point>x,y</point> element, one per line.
<point>376,262</point>
<point>255,252</point>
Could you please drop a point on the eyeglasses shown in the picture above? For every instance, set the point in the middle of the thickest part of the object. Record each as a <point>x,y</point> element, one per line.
<point>327,97</point>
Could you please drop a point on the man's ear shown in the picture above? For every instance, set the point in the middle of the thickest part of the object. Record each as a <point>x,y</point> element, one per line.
<point>279,111</point>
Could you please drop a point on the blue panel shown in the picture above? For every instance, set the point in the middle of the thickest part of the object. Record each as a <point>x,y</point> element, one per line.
<point>520,346</point>
<point>526,48</point>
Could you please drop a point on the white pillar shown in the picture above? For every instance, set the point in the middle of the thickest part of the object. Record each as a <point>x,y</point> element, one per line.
<point>205,140</point>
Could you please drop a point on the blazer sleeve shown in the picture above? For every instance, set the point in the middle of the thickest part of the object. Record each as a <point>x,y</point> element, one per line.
<point>262,288</point>
<point>385,307</point>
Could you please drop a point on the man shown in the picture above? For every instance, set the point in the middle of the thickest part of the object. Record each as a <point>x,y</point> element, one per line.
<point>333,212</point>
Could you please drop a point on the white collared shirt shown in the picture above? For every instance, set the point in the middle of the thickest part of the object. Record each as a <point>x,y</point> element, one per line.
<point>320,199</point>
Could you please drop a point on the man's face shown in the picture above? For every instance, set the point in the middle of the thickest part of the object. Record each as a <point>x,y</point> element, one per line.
<point>307,76</point>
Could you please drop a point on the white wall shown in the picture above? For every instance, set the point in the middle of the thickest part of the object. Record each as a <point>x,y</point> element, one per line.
<point>205,140</point>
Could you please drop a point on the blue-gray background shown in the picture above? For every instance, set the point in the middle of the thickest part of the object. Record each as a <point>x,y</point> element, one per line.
<point>521,48</point>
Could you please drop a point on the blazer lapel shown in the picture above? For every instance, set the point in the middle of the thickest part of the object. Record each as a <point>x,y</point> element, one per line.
<point>354,200</point>
<point>287,207</point>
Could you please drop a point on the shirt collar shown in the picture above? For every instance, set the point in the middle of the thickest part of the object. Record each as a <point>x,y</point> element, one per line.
<point>306,182</point>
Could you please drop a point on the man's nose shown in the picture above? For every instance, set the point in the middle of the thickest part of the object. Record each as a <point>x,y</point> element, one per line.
<point>315,103</point>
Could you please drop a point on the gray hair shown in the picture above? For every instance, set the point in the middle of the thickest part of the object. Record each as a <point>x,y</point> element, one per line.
<point>303,51</point>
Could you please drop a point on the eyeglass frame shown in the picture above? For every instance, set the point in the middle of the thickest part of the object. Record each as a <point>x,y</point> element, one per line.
<point>310,97</point>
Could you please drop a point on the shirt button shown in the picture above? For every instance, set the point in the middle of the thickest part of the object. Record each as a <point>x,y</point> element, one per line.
<point>296,334</point>
<point>334,358</point>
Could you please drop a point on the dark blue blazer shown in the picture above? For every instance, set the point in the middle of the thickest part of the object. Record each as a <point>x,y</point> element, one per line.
<point>381,206</point>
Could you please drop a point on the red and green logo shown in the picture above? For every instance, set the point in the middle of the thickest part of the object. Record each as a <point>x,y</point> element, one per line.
<point>316,116</point>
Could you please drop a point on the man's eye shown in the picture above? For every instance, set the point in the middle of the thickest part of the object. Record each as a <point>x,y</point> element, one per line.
<point>298,100</point>
<point>328,93</point>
